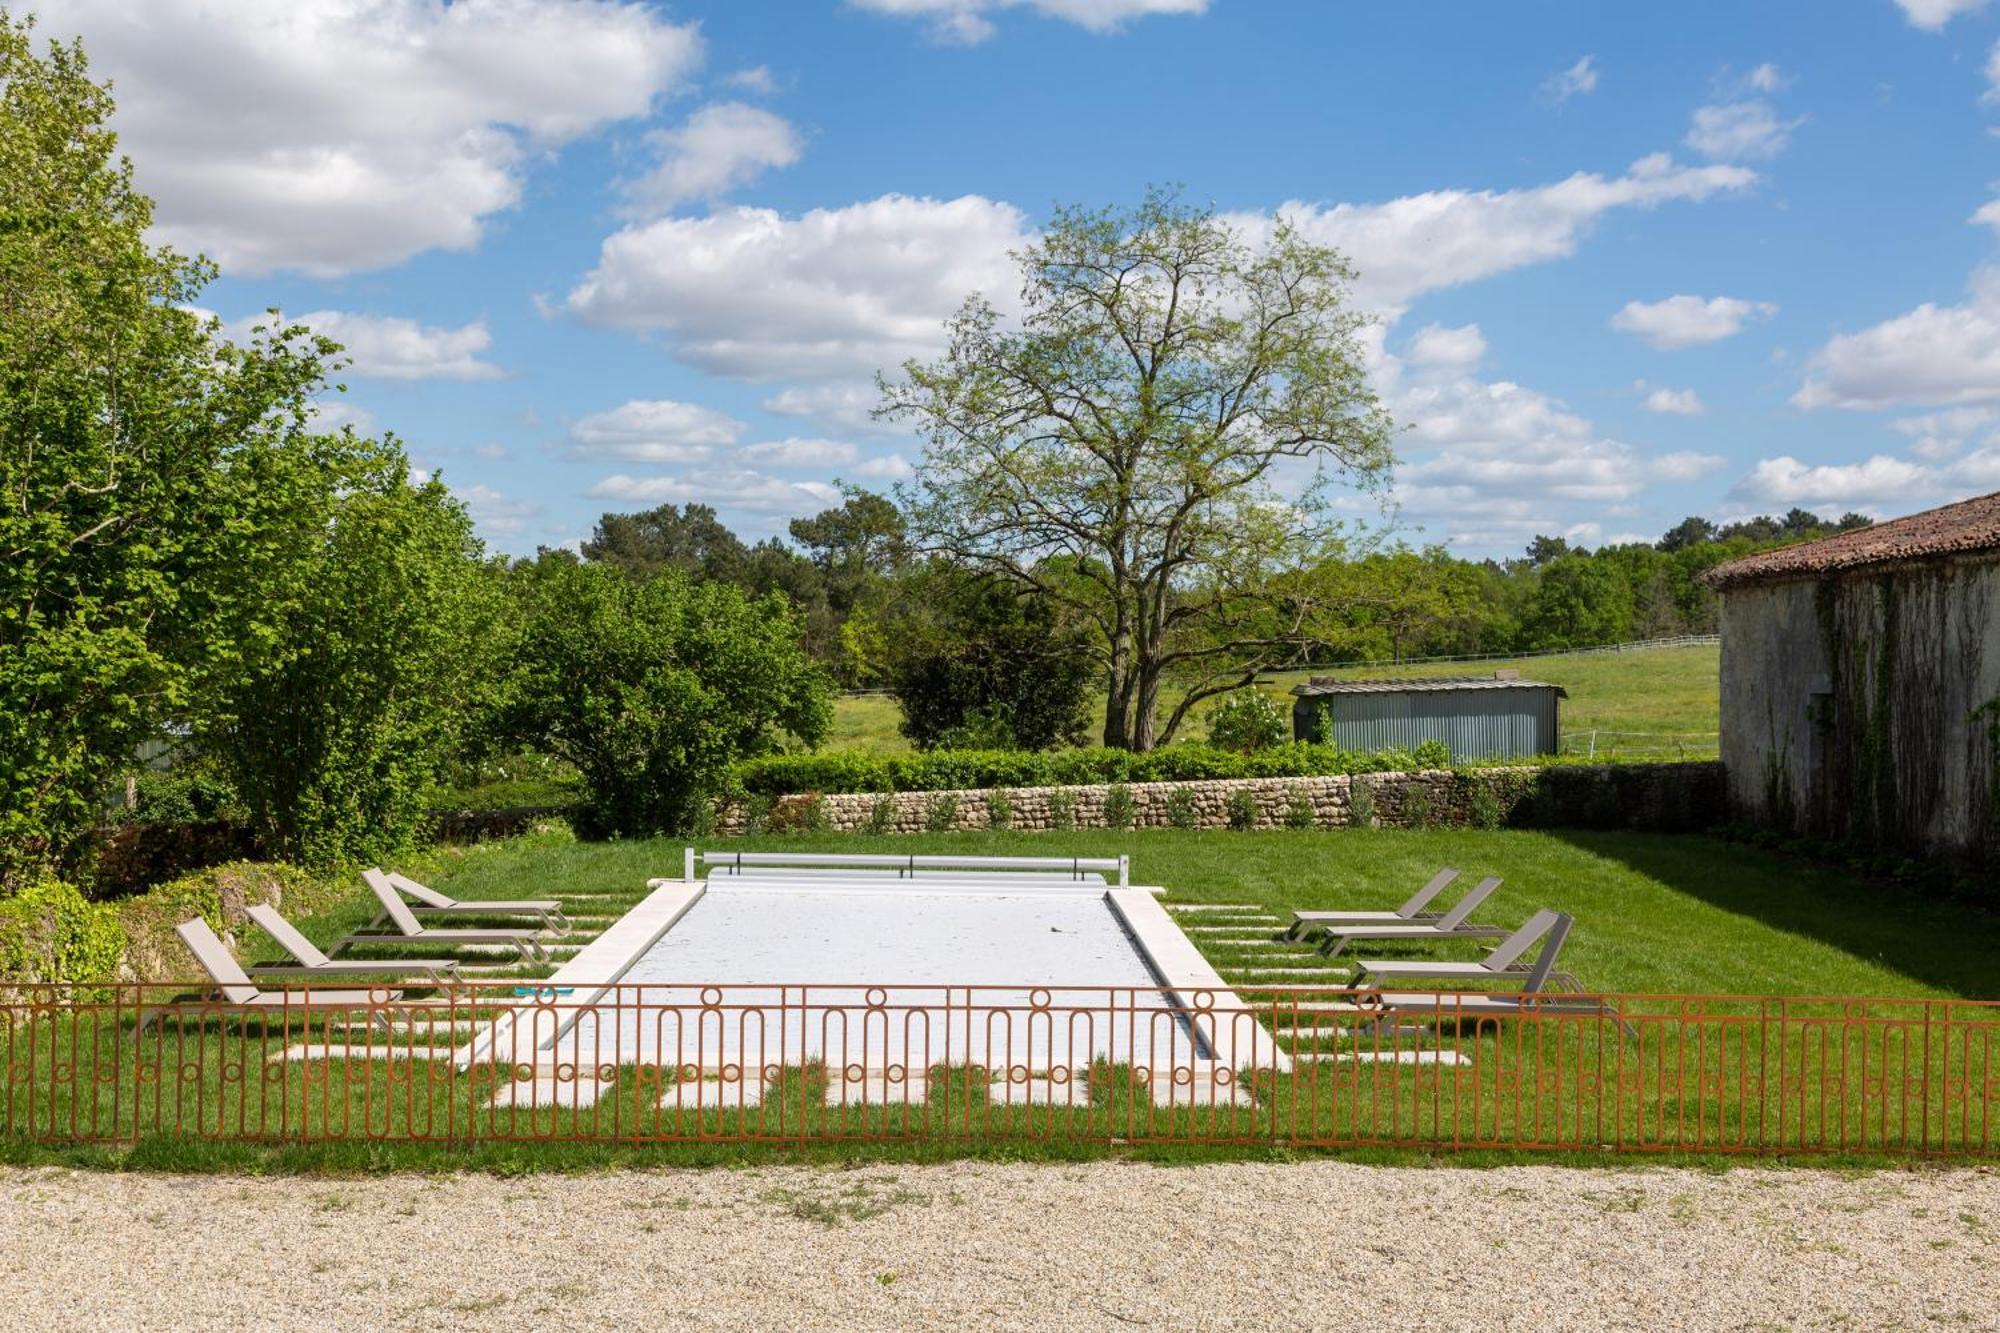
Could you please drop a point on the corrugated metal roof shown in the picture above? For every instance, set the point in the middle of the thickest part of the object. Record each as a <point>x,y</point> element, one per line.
<point>1954,529</point>
<point>1420,685</point>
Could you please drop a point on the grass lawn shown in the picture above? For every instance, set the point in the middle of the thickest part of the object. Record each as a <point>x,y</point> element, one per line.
<point>1655,913</point>
<point>1659,703</point>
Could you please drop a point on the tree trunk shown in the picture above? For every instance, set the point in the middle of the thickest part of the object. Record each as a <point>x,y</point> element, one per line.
<point>1118,685</point>
<point>1146,708</point>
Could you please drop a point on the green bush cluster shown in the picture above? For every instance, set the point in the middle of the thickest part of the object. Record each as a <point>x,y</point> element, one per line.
<point>971,770</point>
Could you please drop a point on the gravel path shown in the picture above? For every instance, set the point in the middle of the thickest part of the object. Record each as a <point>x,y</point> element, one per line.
<point>1105,1245</point>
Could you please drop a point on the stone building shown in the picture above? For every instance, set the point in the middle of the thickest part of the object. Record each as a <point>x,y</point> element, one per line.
<point>1861,683</point>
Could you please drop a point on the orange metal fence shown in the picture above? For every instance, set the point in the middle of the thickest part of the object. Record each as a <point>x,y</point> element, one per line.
<point>796,1064</point>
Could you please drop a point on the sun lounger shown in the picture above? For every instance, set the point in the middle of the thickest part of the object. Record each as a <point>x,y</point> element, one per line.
<point>238,991</point>
<point>308,961</point>
<point>1415,909</point>
<point>409,930</point>
<point>1453,925</point>
<point>1501,964</point>
<point>429,902</point>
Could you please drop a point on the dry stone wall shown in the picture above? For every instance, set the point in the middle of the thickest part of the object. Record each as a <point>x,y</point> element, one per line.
<point>1646,796</point>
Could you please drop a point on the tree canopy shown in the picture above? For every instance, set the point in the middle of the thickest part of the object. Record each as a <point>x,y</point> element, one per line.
<point>1151,444</point>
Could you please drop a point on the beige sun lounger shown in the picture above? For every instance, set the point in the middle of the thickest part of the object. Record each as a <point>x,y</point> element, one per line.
<point>308,961</point>
<point>409,930</point>
<point>1453,925</point>
<point>238,991</point>
<point>1415,909</point>
<point>1501,964</point>
<point>429,902</point>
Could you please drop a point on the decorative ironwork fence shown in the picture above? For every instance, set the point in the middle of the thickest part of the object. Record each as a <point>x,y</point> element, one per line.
<point>1307,1067</point>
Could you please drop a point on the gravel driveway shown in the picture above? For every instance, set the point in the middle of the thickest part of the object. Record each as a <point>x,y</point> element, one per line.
<point>1104,1245</point>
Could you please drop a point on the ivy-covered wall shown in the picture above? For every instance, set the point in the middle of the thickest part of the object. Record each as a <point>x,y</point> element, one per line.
<point>1861,707</point>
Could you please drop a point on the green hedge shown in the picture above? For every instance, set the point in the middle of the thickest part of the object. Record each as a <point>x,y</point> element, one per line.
<point>962,770</point>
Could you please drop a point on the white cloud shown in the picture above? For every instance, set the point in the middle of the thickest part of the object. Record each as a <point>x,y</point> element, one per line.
<point>964,22</point>
<point>1787,481</point>
<point>722,146</point>
<point>391,347</point>
<point>1456,348</point>
<point>326,136</point>
<point>725,488</point>
<point>1673,402</point>
<point>1932,15</point>
<point>1938,435</point>
<point>1747,131</point>
<point>1992,93</point>
<point>756,79</point>
<point>843,408</point>
<point>1766,78</point>
<point>333,414</point>
<point>796,453</point>
<point>1688,321</point>
<point>886,467</point>
<point>1987,215</point>
<point>1445,238</point>
<point>654,431</point>
<point>1933,355</point>
<point>833,293</point>
<point>495,514</point>
<point>1578,80</point>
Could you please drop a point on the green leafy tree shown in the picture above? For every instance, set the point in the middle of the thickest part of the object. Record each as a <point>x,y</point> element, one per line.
<point>374,663</point>
<point>653,688</point>
<point>976,662</point>
<point>1579,602</point>
<point>132,442</point>
<point>1248,720</point>
<point>1152,445</point>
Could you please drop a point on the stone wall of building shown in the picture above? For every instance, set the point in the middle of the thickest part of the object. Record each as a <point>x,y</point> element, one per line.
<point>1676,797</point>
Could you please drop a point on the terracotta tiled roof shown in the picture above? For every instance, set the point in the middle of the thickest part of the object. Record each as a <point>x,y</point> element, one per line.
<point>1968,526</point>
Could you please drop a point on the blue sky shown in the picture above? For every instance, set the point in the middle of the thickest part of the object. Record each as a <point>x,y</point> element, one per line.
<point>1630,262</point>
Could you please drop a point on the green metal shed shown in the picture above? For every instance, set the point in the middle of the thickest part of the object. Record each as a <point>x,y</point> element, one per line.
<point>1479,717</point>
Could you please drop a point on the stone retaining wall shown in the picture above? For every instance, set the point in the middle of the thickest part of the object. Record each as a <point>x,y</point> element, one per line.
<point>1646,796</point>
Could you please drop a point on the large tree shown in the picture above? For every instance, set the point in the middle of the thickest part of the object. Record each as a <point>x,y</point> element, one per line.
<point>132,441</point>
<point>1151,443</point>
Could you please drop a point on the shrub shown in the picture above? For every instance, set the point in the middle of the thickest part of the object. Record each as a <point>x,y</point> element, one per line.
<point>654,689</point>
<point>1417,807</point>
<point>1242,809</point>
<point>973,662</point>
<point>757,813</point>
<point>50,932</point>
<point>804,815</point>
<point>882,815</point>
<point>941,814</point>
<point>1248,720</point>
<point>999,809</point>
<point>1180,809</point>
<point>1360,804</point>
<point>1118,807</point>
<point>1299,813</point>
<point>1487,812</point>
<point>1431,754</point>
<point>1062,810</point>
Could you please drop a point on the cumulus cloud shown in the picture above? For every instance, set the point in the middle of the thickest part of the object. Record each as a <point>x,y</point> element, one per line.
<point>844,408</point>
<point>1688,321</point>
<point>723,487</point>
<point>391,347</point>
<point>1578,80</point>
<point>797,453</point>
<point>1934,355</point>
<point>1437,346</point>
<point>884,467</point>
<point>1445,238</point>
<point>1932,15</point>
<point>656,430</point>
<point>966,22</point>
<point>324,136</point>
<point>1746,131</point>
<point>723,146</point>
<point>496,515</point>
<point>1938,435</point>
<point>833,293</point>
<point>333,414</point>
<point>1672,402</point>
<point>756,79</point>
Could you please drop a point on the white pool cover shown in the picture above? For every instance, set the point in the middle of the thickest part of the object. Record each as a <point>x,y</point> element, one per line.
<point>764,975</point>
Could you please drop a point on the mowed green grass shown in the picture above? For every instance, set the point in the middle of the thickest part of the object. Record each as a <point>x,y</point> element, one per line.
<point>1654,703</point>
<point>1655,912</point>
